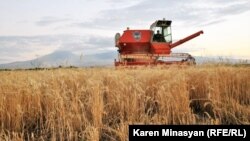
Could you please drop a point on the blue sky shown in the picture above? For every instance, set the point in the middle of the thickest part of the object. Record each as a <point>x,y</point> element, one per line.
<point>33,28</point>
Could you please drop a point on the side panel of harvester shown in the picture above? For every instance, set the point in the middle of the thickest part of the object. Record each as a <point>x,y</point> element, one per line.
<point>159,48</point>
<point>135,42</point>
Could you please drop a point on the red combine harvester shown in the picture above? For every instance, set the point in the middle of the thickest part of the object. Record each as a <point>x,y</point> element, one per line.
<point>151,47</point>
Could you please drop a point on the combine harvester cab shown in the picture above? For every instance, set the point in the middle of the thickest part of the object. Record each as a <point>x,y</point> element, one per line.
<point>146,47</point>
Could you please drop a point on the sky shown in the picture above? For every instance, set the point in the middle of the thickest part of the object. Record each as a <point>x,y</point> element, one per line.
<point>33,28</point>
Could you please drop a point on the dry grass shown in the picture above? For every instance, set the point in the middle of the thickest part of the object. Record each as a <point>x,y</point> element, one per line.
<point>99,103</point>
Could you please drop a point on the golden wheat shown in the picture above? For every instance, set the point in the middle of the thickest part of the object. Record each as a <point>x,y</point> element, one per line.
<point>99,103</point>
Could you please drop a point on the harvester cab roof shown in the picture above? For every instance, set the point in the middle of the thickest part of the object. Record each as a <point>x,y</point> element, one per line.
<point>161,23</point>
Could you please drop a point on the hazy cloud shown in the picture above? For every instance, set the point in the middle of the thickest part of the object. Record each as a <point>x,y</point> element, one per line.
<point>100,41</point>
<point>190,13</point>
<point>45,21</point>
<point>17,48</point>
<point>28,47</point>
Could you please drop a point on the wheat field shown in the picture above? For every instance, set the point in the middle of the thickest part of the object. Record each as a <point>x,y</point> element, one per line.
<point>99,103</point>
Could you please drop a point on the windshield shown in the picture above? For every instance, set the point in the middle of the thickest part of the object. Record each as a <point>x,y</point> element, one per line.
<point>158,29</point>
<point>167,34</point>
<point>162,34</point>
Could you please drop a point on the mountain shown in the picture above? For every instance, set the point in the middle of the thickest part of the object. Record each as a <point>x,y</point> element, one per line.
<point>100,59</point>
<point>67,58</point>
<point>64,58</point>
<point>202,60</point>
